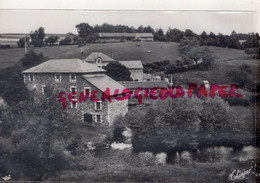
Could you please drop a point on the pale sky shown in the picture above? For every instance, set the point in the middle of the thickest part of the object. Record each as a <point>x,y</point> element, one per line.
<point>20,17</point>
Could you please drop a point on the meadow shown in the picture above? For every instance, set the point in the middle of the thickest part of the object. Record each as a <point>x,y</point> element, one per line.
<point>148,52</point>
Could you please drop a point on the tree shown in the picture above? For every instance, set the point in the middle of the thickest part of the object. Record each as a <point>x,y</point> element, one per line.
<point>188,43</point>
<point>12,88</point>
<point>140,29</point>
<point>51,40</point>
<point>84,29</point>
<point>31,58</point>
<point>118,72</point>
<point>189,32</point>
<point>37,37</point>
<point>21,42</point>
<point>159,35</point>
<point>174,35</point>
<point>37,132</point>
<point>201,53</point>
<point>148,29</point>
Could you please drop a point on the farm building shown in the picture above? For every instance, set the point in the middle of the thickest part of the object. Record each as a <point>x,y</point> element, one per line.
<point>117,37</point>
<point>98,58</point>
<point>134,66</point>
<point>74,75</point>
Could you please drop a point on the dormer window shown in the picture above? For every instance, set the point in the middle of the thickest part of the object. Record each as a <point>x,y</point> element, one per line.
<point>73,78</point>
<point>57,78</point>
<point>98,60</point>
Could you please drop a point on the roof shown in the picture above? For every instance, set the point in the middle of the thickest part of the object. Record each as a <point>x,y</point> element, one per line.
<point>103,82</point>
<point>146,84</point>
<point>132,64</point>
<point>115,34</point>
<point>64,66</point>
<point>92,57</point>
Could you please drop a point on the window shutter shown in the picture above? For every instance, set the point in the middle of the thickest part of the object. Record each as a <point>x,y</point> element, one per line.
<point>101,105</point>
<point>95,104</point>
<point>94,118</point>
<point>70,77</point>
<point>101,119</point>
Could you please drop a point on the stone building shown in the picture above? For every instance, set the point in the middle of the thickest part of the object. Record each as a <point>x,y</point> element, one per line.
<point>99,58</point>
<point>75,75</point>
<point>135,67</point>
<point>123,36</point>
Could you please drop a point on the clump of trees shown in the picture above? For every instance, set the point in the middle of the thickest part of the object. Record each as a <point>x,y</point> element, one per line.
<point>31,59</point>
<point>21,42</point>
<point>51,40</point>
<point>176,125</point>
<point>118,72</point>
<point>37,37</point>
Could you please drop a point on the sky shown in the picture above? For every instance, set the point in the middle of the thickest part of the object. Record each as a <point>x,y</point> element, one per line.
<point>23,18</point>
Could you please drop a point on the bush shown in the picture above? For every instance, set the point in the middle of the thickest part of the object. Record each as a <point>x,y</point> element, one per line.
<point>31,59</point>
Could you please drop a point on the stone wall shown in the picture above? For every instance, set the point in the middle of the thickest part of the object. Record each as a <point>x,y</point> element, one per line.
<point>85,107</point>
<point>136,74</point>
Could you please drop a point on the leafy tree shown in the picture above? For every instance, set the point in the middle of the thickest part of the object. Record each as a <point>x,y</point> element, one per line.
<point>188,43</point>
<point>140,29</point>
<point>37,132</point>
<point>12,88</point>
<point>31,58</point>
<point>118,72</point>
<point>174,35</point>
<point>159,35</point>
<point>189,32</point>
<point>21,42</point>
<point>251,42</point>
<point>203,53</point>
<point>37,37</point>
<point>51,40</point>
<point>84,29</point>
<point>148,29</point>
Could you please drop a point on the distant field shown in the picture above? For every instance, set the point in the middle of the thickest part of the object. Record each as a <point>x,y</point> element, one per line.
<point>146,51</point>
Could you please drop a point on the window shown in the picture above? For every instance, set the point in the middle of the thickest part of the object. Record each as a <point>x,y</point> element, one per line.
<point>74,102</point>
<point>73,78</point>
<point>88,118</point>
<point>24,78</point>
<point>98,118</point>
<point>98,60</point>
<point>43,89</point>
<point>57,78</point>
<point>87,89</point>
<point>98,105</point>
<point>31,77</point>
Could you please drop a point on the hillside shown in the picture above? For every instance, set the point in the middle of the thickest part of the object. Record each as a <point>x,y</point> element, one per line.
<point>146,51</point>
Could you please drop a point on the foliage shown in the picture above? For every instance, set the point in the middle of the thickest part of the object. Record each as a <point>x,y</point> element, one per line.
<point>243,77</point>
<point>37,37</point>
<point>69,39</point>
<point>174,35</point>
<point>187,43</point>
<point>203,53</point>
<point>51,40</point>
<point>12,87</point>
<point>21,42</point>
<point>31,59</point>
<point>156,66</point>
<point>118,72</point>
<point>180,64</point>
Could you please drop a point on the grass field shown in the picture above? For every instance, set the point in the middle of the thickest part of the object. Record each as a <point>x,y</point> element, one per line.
<point>146,51</point>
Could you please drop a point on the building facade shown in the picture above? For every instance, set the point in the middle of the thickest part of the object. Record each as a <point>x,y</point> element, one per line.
<point>73,75</point>
<point>134,66</point>
<point>121,37</point>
